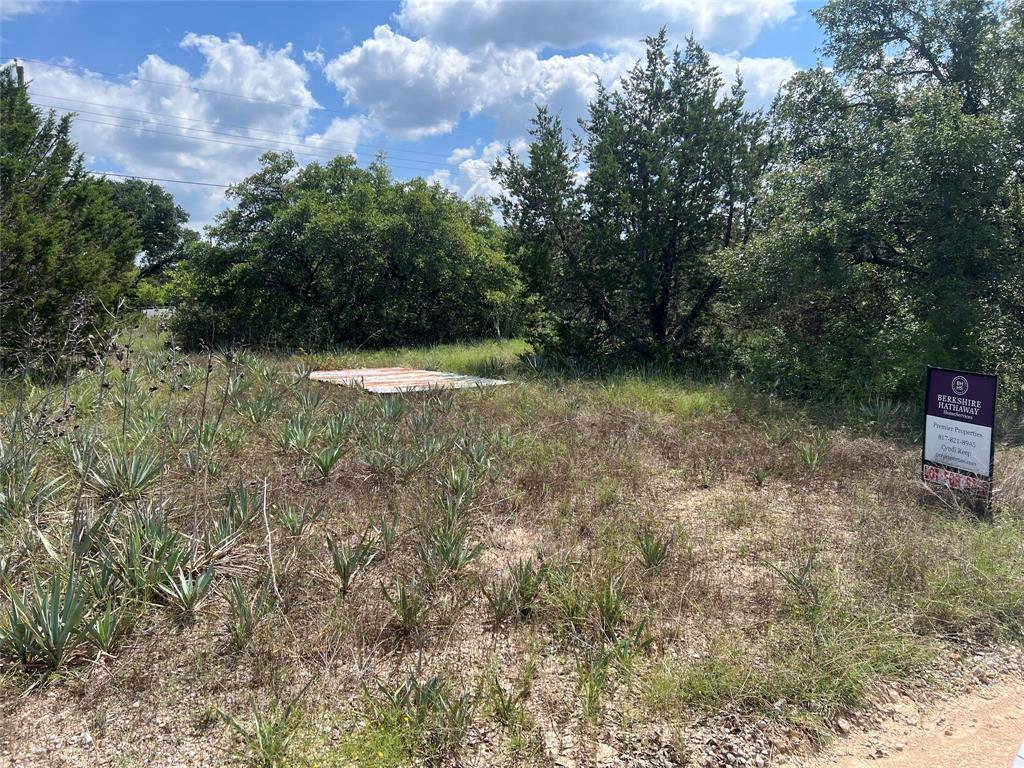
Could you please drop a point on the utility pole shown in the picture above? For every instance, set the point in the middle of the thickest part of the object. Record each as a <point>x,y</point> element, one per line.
<point>21,73</point>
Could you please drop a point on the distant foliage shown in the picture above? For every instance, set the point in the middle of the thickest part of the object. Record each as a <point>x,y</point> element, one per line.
<point>336,254</point>
<point>892,233</point>
<point>165,240</point>
<point>67,251</point>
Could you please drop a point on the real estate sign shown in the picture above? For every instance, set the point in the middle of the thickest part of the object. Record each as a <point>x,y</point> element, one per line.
<point>960,412</point>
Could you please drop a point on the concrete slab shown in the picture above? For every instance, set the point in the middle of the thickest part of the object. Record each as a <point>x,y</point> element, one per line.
<point>391,380</point>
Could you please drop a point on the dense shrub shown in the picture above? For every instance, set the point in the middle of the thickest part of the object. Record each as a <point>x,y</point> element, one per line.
<point>892,233</point>
<point>67,250</point>
<point>338,254</point>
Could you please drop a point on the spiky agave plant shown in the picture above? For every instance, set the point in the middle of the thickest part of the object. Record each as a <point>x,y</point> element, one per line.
<point>348,559</point>
<point>43,627</point>
<point>23,489</point>
<point>326,459</point>
<point>245,613</point>
<point>407,604</point>
<point>186,590</point>
<point>295,518</point>
<point>265,742</point>
<point>121,473</point>
<point>143,552</point>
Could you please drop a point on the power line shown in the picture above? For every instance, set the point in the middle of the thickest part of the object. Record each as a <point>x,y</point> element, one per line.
<point>315,106</point>
<point>217,123</point>
<point>318,155</point>
<point>156,178</point>
<point>429,163</point>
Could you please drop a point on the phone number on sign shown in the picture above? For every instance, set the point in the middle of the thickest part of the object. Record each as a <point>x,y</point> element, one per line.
<point>954,480</point>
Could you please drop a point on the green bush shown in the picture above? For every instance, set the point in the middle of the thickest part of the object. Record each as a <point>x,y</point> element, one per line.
<point>337,254</point>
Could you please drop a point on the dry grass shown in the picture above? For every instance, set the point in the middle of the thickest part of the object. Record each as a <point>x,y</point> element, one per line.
<point>514,575</point>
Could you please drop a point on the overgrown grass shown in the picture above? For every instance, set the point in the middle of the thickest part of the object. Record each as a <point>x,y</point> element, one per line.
<point>451,570</point>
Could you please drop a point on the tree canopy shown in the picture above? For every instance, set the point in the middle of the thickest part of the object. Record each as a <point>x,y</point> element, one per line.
<point>67,251</point>
<point>890,238</point>
<point>159,222</point>
<point>617,233</point>
<point>329,254</point>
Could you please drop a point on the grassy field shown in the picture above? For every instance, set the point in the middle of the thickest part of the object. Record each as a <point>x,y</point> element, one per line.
<point>214,560</point>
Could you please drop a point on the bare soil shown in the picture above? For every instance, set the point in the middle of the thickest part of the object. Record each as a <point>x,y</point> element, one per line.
<point>980,729</point>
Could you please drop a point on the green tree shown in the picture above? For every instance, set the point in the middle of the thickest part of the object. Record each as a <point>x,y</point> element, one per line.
<point>621,259</point>
<point>67,252</point>
<point>890,238</point>
<point>339,254</point>
<point>160,224</point>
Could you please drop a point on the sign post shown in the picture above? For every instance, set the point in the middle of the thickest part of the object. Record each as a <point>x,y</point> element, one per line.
<point>959,421</point>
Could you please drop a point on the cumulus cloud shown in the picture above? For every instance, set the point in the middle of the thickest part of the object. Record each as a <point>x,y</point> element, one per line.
<point>161,121</point>
<point>416,88</point>
<point>413,87</point>
<point>762,76</point>
<point>568,24</point>
<point>315,56</point>
<point>11,8</point>
<point>471,174</point>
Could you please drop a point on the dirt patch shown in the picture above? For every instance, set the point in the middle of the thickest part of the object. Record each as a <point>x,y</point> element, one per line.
<point>981,729</point>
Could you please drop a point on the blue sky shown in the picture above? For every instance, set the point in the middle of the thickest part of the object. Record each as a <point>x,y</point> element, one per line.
<point>195,91</point>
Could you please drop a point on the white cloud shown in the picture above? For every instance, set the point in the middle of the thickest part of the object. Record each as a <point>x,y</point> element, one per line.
<point>472,174</point>
<point>341,136</point>
<point>161,121</point>
<point>11,8</point>
<point>761,76</point>
<point>413,87</point>
<point>315,56</point>
<point>568,24</point>
<point>416,88</point>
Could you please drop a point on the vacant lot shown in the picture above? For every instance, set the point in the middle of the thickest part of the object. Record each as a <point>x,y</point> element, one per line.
<point>209,559</point>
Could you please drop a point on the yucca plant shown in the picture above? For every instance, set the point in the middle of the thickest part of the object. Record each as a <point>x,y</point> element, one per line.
<point>245,613</point>
<point>812,454</point>
<point>102,578</point>
<point>514,596</point>
<point>309,399</point>
<point>241,503</point>
<point>407,605</point>
<point>109,625</point>
<point>427,711</point>
<point>326,459</point>
<point>392,408</point>
<point>225,531</point>
<point>23,492</point>
<point>236,386</point>
<point>124,474</point>
<point>385,530</point>
<point>338,427</point>
<point>295,518</point>
<point>185,591</point>
<point>43,627</point>
<point>179,432</point>
<point>507,706</point>
<point>264,743</point>
<point>459,485</point>
<point>259,408</point>
<point>446,551</point>
<point>145,553</point>
<point>348,559</point>
<point>652,548</point>
<point>297,433</point>
<point>610,604</point>
<point>571,602</point>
